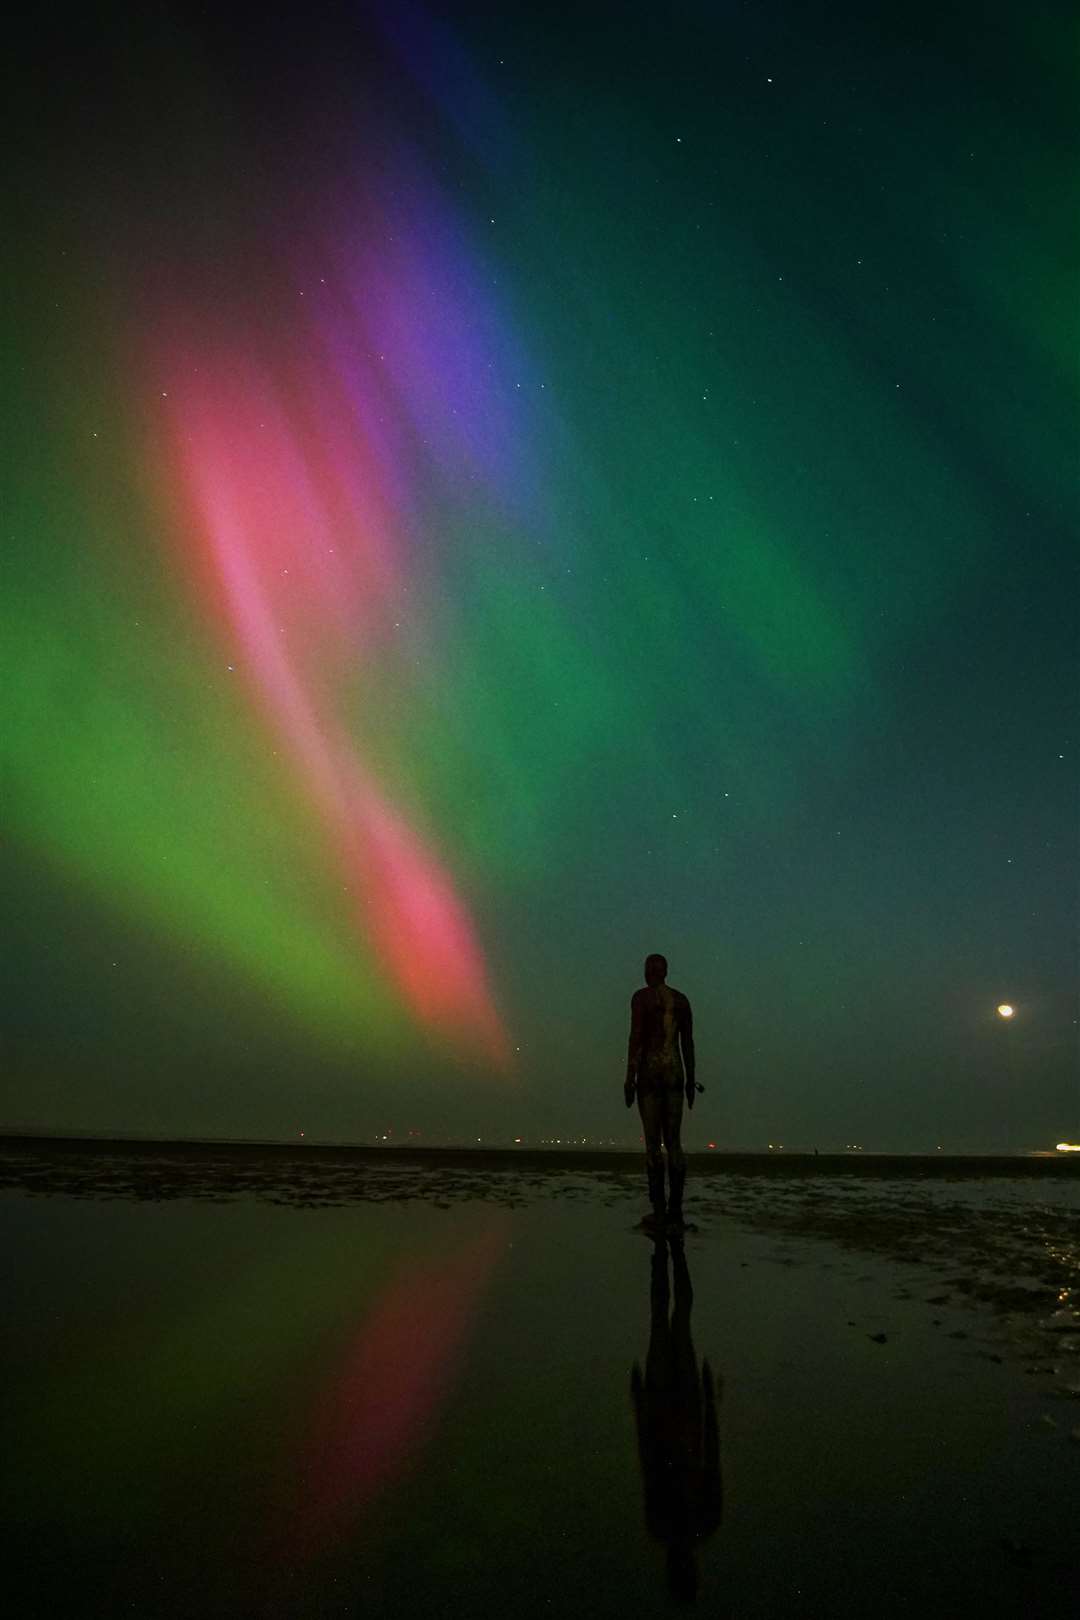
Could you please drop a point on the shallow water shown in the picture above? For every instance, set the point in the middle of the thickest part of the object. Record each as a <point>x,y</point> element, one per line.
<point>420,1401</point>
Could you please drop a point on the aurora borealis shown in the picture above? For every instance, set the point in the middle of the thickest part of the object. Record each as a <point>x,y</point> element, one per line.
<point>488,496</point>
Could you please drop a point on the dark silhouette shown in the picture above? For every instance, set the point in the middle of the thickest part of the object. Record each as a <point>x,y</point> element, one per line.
<point>677,1430</point>
<point>659,1074</point>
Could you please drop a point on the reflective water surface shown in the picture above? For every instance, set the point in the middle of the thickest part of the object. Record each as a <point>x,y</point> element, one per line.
<point>470,1399</point>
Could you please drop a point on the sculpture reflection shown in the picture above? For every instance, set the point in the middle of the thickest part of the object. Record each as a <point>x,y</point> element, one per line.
<point>675,1407</point>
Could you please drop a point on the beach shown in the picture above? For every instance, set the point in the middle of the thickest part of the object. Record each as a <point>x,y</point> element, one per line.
<point>327,1381</point>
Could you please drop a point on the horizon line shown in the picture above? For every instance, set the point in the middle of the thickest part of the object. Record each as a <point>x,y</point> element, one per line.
<point>417,1142</point>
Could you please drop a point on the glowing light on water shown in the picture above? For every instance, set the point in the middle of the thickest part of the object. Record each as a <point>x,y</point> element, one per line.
<point>382,1402</point>
<point>1068,1147</point>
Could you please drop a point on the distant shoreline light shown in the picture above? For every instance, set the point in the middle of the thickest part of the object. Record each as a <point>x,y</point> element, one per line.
<point>1068,1147</point>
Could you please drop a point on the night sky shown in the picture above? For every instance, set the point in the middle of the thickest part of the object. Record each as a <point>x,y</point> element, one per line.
<point>494,492</point>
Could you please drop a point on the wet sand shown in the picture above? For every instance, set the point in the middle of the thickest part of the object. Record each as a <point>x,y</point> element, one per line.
<point>1006,1229</point>
<point>1010,1225</point>
<point>312,1381</point>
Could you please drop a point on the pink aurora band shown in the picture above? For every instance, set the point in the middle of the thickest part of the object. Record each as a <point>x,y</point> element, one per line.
<point>288,486</point>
